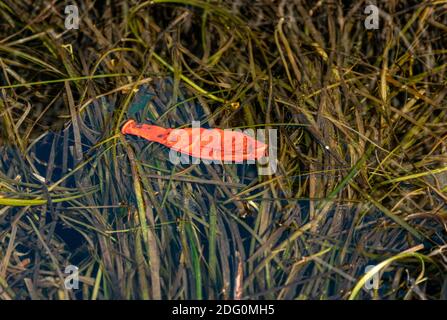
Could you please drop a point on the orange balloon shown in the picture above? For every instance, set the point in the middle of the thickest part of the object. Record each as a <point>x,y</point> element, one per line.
<point>211,144</point>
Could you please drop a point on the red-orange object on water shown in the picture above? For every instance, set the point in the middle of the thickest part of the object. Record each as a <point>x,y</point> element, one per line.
<point>210,144</point>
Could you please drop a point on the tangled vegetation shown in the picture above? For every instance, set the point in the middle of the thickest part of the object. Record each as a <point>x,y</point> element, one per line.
<point>361,180</point>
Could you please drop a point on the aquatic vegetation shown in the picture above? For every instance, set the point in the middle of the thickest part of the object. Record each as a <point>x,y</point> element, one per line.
<point>356,205</point>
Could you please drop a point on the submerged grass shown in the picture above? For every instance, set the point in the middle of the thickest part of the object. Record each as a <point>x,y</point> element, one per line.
<point>361,179</point>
